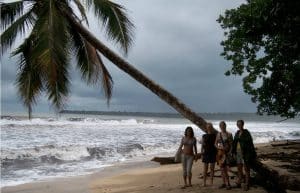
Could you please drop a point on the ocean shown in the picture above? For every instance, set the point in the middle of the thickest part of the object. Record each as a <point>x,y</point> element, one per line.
<point>77,144</point>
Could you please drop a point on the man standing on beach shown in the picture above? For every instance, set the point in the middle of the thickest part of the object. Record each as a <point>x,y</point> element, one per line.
<point>243,149</point>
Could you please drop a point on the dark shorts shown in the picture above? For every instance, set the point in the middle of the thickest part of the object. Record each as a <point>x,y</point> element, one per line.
<point>209,158</point>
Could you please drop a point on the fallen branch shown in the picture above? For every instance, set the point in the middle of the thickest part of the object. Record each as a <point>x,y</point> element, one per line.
<point>285,143</point>
<point>169,160</point>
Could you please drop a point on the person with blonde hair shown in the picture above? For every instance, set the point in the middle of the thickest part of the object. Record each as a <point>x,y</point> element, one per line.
<point>223,144</point>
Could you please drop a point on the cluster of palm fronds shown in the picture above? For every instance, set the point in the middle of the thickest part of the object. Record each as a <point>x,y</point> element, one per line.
<point>51,41</point>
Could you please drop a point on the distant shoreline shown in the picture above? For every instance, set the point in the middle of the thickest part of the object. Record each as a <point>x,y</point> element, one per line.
<point>208,116</point>
<point>226,116</point>
<point>120,113</point>
<point>150,114</point>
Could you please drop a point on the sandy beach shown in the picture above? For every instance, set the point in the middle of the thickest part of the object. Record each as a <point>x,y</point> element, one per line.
<point>138,177</point>
<point>167,178</point>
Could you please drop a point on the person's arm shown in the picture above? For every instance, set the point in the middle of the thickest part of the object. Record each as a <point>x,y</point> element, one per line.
<point>202,145</point>
<point>230,140</point>
<point>181,144</point>
<point>216,141</point>
<point>234,144</point>
<point>195,148</point>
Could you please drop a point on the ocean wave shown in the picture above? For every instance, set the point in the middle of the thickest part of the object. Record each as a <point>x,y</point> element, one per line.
<point>10,122</point>
<point>29,162</point>
<point>268,136</point>
<point>70,145</point>
<point>47,153</point>
<point>51,154</point>
<point>295,133</point>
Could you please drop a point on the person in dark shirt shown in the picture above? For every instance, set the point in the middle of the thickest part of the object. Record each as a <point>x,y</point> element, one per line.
<point>244,151</point>
<point>209,152</point>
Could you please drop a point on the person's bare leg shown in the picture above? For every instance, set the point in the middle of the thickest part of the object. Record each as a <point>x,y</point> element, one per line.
<point>240,173</point>
<point>226,176</point>
<point>205,168</point>
<point>212,173</point>
<point>223,177</point>
<point>247,176</point>
<point>184,179</point>
<point>190,180</point>
<point>223,174</point>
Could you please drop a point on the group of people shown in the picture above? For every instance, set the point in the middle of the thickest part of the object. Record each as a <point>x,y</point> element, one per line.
<point>220,148</point>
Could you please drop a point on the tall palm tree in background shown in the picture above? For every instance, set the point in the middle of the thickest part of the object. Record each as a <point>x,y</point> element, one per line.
<point>56,33</point>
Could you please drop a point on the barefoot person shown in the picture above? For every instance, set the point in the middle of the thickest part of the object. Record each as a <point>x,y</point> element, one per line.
<point>223,144</point>
<point>244,150</point>
<point>208,151</point>
<point>189,145</point>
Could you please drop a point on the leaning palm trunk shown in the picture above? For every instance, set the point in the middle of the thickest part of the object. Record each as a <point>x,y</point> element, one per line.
<point>139,76</point>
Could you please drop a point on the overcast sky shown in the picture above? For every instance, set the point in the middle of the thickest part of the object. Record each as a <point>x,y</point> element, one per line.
<point>177,44</point>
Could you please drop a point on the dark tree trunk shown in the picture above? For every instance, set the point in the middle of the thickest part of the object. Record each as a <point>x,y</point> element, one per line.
<point>139,76</point>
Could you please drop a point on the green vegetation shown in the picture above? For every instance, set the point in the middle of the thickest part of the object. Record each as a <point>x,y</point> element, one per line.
<point>262,40</point>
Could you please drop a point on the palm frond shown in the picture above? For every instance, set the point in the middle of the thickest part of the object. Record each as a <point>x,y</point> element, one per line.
<point>82,54</point>
<point>93,67</point>
<point>29,77</point>
<point>106,79</point>
<point>118,26</point>
<point>19,26</point>
<point>90,64</point>
<point>10,12</point>
<point>52,51</point>
<point>97,71</point>
<point>81,9</point>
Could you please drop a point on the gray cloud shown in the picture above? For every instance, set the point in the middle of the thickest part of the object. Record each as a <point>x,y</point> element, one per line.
<point>177,44</point>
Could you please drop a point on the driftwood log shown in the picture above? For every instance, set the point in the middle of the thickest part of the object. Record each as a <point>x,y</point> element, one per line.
<point>169,160</point>
<point>285,143</point>
<point>164,160</point>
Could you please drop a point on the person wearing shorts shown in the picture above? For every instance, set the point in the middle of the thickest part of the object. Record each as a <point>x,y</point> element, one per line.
<point>244,151</point>
<point>208,151</point>
<point>223,144</point>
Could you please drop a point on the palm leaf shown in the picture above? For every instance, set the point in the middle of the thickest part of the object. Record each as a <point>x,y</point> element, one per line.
<point>90,63</point>
<point>93,67</point>
<point>9,12</point>
<point>106,79</point>
<point>119,28</point>
<point>97,71</point>
<point>29,78</point>
<point>19,26</point>
<point>81,52</point>
<point>52,51</point>
<point>81,10</point>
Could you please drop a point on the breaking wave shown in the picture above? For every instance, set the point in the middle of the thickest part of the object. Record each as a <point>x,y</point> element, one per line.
<point>42,147</point>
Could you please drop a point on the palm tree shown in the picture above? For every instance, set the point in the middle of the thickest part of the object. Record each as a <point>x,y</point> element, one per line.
<point>57,33</point>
